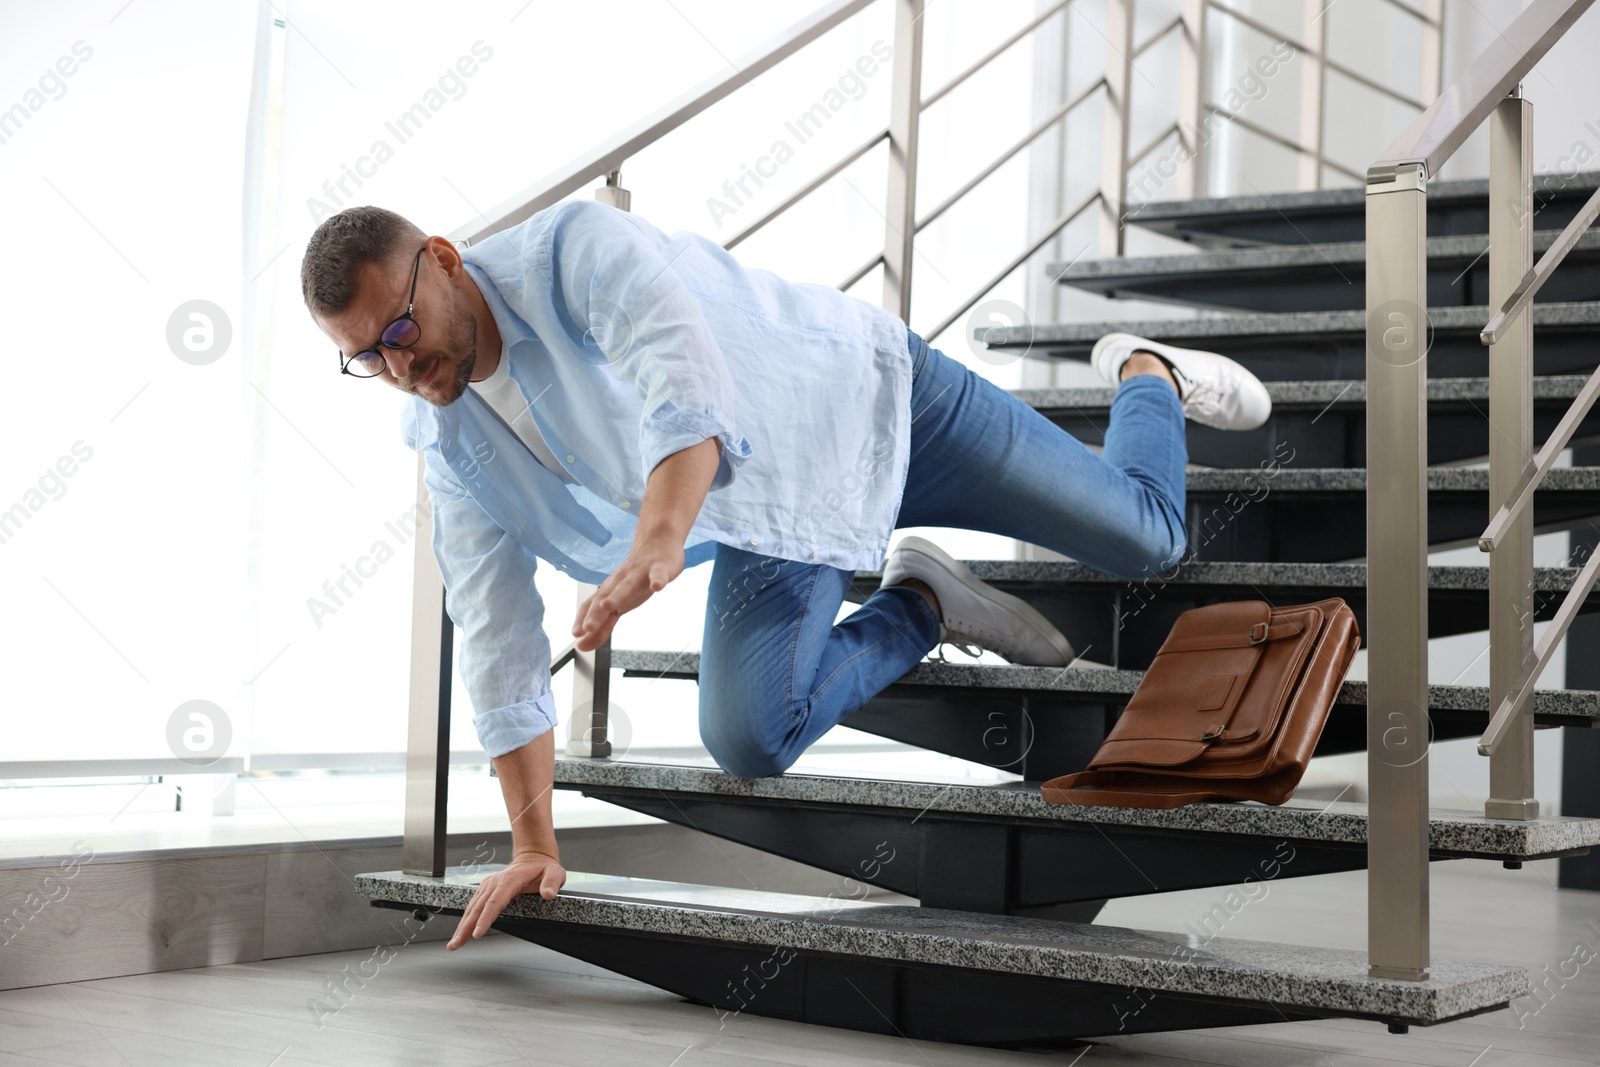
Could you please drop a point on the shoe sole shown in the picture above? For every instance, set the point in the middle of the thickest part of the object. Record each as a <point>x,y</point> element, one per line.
<point>1041,626</point>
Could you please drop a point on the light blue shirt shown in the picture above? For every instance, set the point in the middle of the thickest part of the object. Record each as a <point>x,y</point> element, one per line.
<point>630,345</point>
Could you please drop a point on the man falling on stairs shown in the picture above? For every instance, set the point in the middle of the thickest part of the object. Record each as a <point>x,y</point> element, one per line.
<point>621,404</point>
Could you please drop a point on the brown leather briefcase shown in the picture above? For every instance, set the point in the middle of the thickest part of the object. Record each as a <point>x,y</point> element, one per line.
<point>1230,709</point>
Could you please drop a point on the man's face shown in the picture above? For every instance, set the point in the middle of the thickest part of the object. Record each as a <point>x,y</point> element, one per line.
<point>440,364</point>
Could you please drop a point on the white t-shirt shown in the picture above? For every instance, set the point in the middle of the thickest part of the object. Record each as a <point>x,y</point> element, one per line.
<point>500,392</point>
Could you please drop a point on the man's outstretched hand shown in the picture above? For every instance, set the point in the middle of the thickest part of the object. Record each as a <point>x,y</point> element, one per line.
<point>530,873</point>
<point>646,570</point>
<point>673,495</point>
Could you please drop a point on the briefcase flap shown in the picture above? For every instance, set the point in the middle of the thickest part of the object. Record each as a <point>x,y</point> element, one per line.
<point>1193,697</point>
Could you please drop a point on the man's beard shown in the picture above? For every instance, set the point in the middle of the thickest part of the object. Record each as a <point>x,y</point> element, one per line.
<point>464,339</point>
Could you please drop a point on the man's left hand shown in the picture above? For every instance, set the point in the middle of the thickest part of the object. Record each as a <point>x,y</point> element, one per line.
<point>649,566</point>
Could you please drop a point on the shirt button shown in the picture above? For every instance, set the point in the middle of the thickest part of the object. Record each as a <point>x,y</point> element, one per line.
<point>813,555</point>
<point>571,459</point>
<point>754,541</point>
<point>626,504</point>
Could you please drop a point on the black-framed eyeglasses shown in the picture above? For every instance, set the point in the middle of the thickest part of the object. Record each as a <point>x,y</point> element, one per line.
<point>401,333</point>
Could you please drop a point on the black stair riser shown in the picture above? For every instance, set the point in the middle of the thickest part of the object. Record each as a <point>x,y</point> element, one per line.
<point>1331,526</point>
<point>988,864</point>
<point>1557,198</point>
<point>968,863</point>
<point>1295,358</point>
<point>907,1000</point>
<point>1321,285</point>
<point>1042,735</point>
<point>1336,435</point>
<point>1123,622</point>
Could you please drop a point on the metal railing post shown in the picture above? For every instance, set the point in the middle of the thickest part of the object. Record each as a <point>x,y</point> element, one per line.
<point>905,115</point>
<point>1313,80</point>
<point>1192,99</point>
<point>1114,127</point>
<point>1397,572</point>
<point>613,193</point>
<point>587,730</point>
<point>1510,451</point>
<point>422,844</point>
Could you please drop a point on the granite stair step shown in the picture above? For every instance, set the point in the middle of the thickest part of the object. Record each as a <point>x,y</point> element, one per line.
<point>934,974</point>
<point>1039,722</point>
<point>1324,423</point>
<point>997,847</point>
<point>1321,277</point>
<point>1122,621</point>
<point>1311,345</point>
<point>1452,834</point>
<point>1330,215</point>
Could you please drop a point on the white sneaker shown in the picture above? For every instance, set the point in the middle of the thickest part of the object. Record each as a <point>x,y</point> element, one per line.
<point>974,611</point>
<point>1214,390</point>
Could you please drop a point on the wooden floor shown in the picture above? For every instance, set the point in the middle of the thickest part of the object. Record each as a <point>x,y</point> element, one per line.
<point>502,1001</point>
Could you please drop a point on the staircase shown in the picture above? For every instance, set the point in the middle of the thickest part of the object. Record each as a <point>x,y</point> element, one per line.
<point>1003,949</point>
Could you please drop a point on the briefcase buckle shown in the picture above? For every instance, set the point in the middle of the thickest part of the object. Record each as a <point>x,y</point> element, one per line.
<point>1258,633</point>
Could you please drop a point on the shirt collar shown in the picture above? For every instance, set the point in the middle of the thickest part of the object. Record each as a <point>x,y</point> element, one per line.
<point>423,423</point>
<point>512,329</point>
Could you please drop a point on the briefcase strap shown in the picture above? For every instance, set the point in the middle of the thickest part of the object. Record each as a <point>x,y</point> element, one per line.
<point>1260,634</point>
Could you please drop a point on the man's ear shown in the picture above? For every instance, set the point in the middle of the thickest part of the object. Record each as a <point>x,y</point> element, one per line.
<point>448,256</point>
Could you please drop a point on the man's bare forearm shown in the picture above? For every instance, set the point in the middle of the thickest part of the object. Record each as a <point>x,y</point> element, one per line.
<point>675,491</point>
<point>673,495</point>
<point>527,775</point>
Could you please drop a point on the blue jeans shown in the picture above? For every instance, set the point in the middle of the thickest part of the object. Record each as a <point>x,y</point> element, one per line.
<point>776,672</point>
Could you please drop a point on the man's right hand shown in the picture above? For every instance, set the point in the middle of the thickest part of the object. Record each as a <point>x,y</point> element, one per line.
<point>532,872</point>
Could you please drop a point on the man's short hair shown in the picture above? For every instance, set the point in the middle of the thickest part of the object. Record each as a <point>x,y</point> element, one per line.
<point>344,244</point>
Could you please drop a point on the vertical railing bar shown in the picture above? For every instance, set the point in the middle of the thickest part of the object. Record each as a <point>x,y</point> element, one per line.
<point>1313,81</point>
<point>905,114</point>
<point>589,726</point>
<point>1191,97</point>
<point>1114,127</point>
<point>427,790</point>
<point>1511,794</point>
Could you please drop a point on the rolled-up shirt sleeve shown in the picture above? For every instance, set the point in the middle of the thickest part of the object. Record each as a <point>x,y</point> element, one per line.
<point>643,321</point>
<point>490,594</point>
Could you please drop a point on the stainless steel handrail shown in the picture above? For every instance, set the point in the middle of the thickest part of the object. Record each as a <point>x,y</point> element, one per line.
<point>809,187</point>
<point>1139,50</point>
<point>1150,145</point>
<point>999,161</point>
<point>1033,246</point>
<point>1541,464</point>
<point>1278,138</point>
<point>1038,20</point>
<point>1534,280</point>
<point>611,153</point>
<point>1515,703</point>
<point>1397,588</point>
<point>1463,107</point>
<point>1332,64</point>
